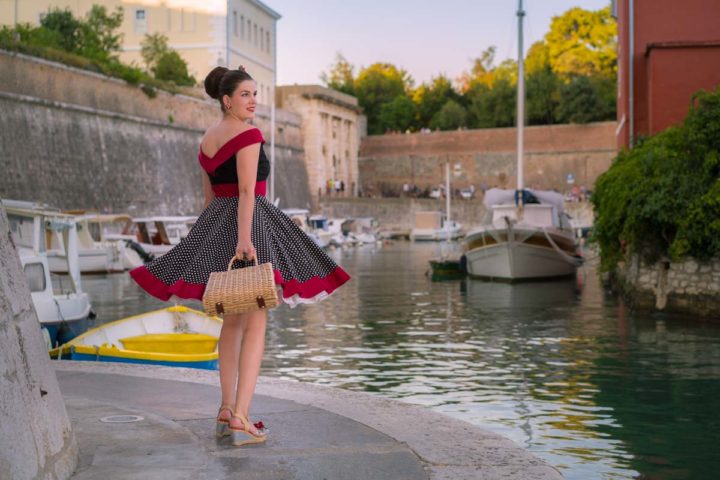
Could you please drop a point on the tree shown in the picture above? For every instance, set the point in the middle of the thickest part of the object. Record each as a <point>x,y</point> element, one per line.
<point>451,116</point>
<point>491,107</point>
<point>542,97</point>
<point>582,101</point>
<point>430,98</point>
<point>65,25</point>
<point>164,62</point>
<point>171,67</point>
<point>376,85</point>
<point>152,48</point>
<point>582,42</point>
<point>399,114</point>
<point>537,58</point>
<point>98,37</point>
<point>341,76</point>
<point>481,71</point>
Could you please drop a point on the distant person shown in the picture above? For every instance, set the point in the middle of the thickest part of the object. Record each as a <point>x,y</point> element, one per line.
<point>239,222</point>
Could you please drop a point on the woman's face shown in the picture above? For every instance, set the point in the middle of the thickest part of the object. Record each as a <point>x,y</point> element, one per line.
<point>243,101</point>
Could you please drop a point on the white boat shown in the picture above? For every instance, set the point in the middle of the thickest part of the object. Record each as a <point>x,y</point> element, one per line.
<point>337,237</point>
<point>156,235</point>
<point>63,309</point>
<point>362,230</point>
<point>527,235</point>
<point>300,216</point>
<point>319,226</point>
<point>98,254</point>
<point>525,242</point>
<point>434,226</point>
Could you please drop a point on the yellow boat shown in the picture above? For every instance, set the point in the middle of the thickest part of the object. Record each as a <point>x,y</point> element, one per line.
<point>175,336</point>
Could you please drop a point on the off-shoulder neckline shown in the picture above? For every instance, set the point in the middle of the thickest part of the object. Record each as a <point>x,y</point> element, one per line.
<point>227,143</point>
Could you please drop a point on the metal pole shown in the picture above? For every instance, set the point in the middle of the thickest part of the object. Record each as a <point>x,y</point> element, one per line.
<point>631,75</point>
<point>520,100</point>
<point>272,116</point>
<point>447,198</point>
<point>227,34</point>
<point>16,14</point>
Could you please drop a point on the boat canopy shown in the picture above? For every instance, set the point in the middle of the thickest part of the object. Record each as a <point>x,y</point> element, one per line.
<point>498,196</point>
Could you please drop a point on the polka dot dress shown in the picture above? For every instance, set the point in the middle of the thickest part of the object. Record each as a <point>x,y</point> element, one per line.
<point>303,270</point>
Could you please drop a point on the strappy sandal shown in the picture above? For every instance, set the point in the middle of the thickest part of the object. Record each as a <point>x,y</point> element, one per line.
<point>243,436</point>
<point>222,426</point>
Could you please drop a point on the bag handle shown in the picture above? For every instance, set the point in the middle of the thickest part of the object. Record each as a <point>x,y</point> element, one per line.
<point>235,257</point>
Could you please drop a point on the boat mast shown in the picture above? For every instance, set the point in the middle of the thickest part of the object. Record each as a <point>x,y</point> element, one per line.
<point>520,116</point>
<point>447,198</point>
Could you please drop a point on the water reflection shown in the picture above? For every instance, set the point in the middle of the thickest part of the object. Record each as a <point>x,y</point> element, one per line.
<point>559,367</point>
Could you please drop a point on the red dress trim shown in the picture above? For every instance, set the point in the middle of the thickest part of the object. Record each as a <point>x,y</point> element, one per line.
<point>155,287</point>
<point>308,289</point>
<point>239,141</point>
<point>231,189</point>
<point>312,287</point>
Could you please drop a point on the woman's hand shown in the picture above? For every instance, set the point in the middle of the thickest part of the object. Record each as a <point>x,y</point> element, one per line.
<point>245,250</point>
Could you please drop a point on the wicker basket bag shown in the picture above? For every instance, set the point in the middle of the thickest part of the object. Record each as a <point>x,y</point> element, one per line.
<point>241,290</point>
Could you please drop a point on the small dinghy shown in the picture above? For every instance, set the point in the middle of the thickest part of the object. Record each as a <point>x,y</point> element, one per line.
<point>175,336</point>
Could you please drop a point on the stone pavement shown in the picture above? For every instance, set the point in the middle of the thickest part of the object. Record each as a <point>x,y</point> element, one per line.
<point>315,432</point>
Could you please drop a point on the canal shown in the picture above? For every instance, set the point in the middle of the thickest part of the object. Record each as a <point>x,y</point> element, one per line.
<point>562,368</point>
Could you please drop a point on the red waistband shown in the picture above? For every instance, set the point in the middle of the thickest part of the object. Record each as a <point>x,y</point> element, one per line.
<point>231,189</point>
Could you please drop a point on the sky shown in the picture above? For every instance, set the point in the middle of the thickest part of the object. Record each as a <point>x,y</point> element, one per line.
<point>424,37</point>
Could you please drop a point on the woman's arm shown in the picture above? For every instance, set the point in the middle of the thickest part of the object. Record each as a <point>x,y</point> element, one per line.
<point>247,163</point>
<point>207,189</point>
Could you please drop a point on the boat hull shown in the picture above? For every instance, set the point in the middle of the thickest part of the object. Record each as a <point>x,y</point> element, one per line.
<point>210,364</point>
<point>91,261</point>
<point>175,336</point>
<point>62,332</point>
<point>434,235</point>
<point>498,255</point>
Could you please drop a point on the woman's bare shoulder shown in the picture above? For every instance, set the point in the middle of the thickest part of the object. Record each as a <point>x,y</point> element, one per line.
<point>220,134</point>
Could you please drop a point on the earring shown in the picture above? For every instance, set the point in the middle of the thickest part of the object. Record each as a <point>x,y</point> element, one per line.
<point>228,107</point>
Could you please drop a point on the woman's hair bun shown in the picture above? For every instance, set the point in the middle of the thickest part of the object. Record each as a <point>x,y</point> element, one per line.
<point>212,81</point>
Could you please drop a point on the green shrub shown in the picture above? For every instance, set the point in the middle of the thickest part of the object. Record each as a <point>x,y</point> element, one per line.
<point>172,68</point>
<point>662,198</point>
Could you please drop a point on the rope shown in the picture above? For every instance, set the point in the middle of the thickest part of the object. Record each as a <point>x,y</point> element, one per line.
<point>576,261</point>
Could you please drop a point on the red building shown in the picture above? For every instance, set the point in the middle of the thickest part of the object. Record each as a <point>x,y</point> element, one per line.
<point>667,50</point>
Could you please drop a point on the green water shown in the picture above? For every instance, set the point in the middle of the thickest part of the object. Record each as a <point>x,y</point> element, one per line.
<point>561,368</point>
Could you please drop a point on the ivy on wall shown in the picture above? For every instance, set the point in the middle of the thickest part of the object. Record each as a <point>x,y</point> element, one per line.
<point>662,197</point>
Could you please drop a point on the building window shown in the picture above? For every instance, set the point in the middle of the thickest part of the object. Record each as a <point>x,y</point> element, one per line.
<point>235,25</point>
<point>255,34</point>
<point>187,21</point>
<point>242,27</point>
<point>140,21</point>
<point>267,41</point>
<point>262,38</point>
<point>249,30</point>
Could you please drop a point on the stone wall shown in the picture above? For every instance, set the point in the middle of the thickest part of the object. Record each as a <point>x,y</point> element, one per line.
<point>689,286</point>
<point>398,213</point>
<point>36,439</point>
<point>487,157</point>
<point>78,140</point>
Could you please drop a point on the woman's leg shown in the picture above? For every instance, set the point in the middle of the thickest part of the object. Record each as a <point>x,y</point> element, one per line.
<point>229,352</point>
<point>251,353</point>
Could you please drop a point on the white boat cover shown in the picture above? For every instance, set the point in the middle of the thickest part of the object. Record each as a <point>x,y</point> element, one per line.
<point>498,196</point>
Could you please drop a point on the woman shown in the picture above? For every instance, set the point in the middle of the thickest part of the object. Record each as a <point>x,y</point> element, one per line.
<point>239,221</point>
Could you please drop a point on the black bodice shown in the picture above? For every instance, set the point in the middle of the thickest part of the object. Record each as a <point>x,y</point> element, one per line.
<point>227,172</point>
